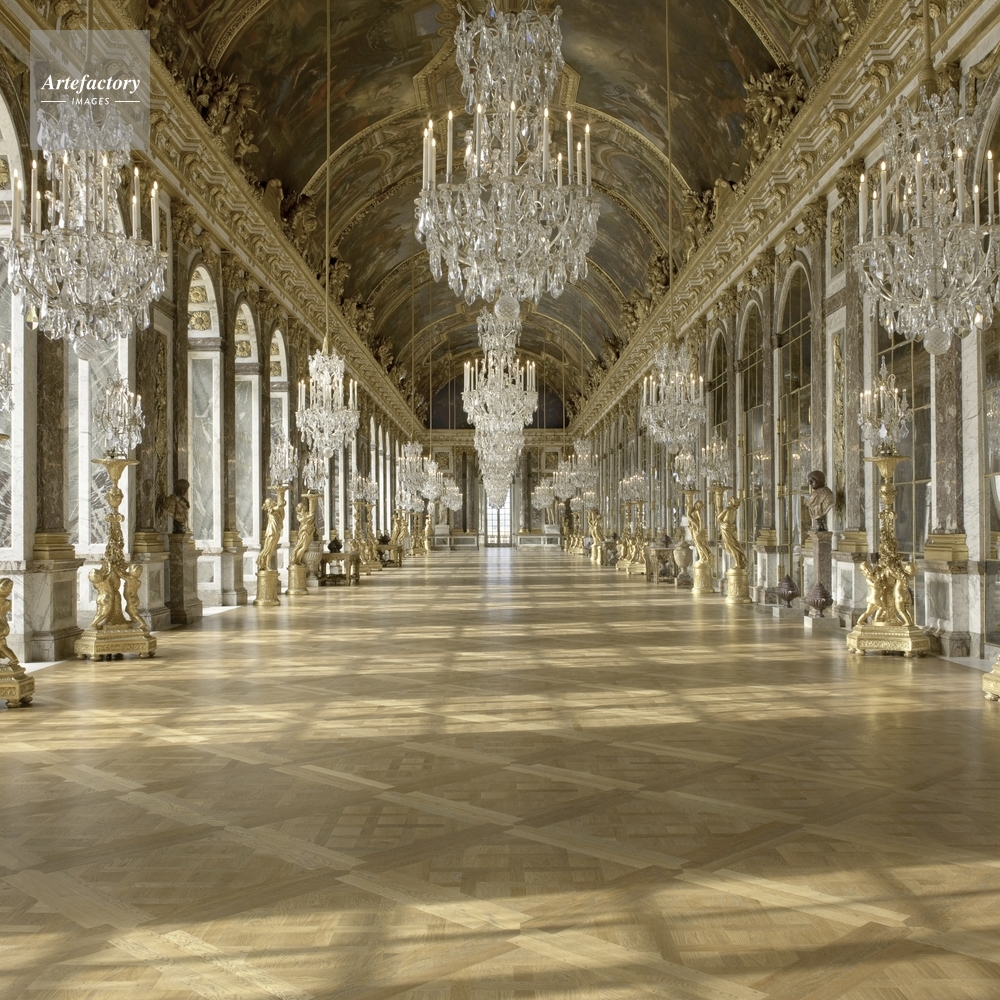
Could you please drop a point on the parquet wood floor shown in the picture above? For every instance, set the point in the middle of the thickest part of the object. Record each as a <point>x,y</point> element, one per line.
<point>493,776</point>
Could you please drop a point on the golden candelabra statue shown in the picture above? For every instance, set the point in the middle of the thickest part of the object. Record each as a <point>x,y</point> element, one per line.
<point>703,568</point>
<point>737,581</point>
<point>887,624</point>
<point>305,512</point>
<point>597,554</point>
<point>267,571</point>
<point>117,628</point>
<point>17,687</point>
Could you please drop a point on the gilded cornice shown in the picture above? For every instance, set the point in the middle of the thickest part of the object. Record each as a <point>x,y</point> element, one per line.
<point>803,167</point>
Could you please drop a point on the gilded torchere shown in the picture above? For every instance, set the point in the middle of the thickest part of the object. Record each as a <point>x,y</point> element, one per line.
<point>17,688</point>
<point>887,624</point>
<point>703,567</point>
<point>305,512</point>
<point>267,572</point>
<point>738,585</point>
<point>117,628</point>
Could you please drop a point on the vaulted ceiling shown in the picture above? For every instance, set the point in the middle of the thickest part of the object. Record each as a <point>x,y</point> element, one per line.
<point>393,66</point>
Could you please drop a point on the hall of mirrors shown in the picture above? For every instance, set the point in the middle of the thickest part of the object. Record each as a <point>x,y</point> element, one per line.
<point>568,564</point>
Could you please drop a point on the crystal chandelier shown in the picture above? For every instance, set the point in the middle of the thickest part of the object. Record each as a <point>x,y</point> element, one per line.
<point>563,484</point>
<point>672,408</point>
<point>884,414</point>
<point>686,468</point>
<point>119,418</point>
<point>362,489</point>
<point>715,461</point>
<point>315,472</point>
<point>452,497</point>
<point>543,496</point>
<point>284,461</point>
<point>583,466</point>
<point>930,262</point>
<point>82,279</point>
<point>327,424</point>
<point>409,470</point>
<point>432,484</point>
<point>632,489</point>
<point>523,220</point>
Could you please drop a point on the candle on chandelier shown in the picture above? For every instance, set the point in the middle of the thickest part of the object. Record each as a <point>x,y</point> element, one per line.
<point>586,139</point>
<point>989,186</point>
<point>423,182</point>
<point>154,208</point>
<point>920,187</point>
<point>960,182</point>
<point>975,205</point>
<point>545,144</point>
<point>479,136</point>
<point>451,147</point>
<point>65,191</point>
<point>136,224</point>
<point>18,195</point>
<point>104,192</point>
<point>513,139</point>
<point>302,394</point>
<point>36,213</point>
<point>569,147</point>
<point>579,163</point>
<point>883,171</point>
<point>862,209</point>
<point>35,220</point>
<point>874,213</point>
<point>559,170</point>
<point>434,164</point>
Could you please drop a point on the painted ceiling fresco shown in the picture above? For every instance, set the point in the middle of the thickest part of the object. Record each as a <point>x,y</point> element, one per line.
<point>389,55</point>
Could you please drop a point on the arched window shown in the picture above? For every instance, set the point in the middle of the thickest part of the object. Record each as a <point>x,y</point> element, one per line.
<point>751,409</point>
<point>248,451</point>
<point>795,401</point>
<point>718,389</point>
<point>204,413</point>
<point>279,429</point>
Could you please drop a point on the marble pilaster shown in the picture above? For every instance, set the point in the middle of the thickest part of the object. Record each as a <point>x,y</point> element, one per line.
<point>185,605</point>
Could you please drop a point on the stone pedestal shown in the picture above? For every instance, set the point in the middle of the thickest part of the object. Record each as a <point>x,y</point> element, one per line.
<point>234,594</point>
<point>184,604</point>
<point>909,640</point>
<point>737,586</point>
<point>297,575</point>
<point>702,573</point>
<point>50,589</point>
<point>113,642</point>
<point>312,559</point>
<point>819,597</point>
<point>768,560</point>
<point>16,687</point>
<point>148,551</point>
<point>849,586</point>
<point>268,587</point>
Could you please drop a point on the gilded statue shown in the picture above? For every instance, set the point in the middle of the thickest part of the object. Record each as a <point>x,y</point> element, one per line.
<point>107,592</point>
<point>275,511</point>
<point>726,519</point>
<point>6,653</point>
<point>130,590</point>
<point>902,599</point>
<point>696,522</point>
<point>306,514</point>
<point>820,500</point>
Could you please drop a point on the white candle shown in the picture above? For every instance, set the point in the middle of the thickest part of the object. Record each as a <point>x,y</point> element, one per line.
<point>960,181</point>
<point>874,213</point>
<point>65,191</point>
<point>513,139</point>
<point>862,209</point>
<point>975,204</point>
<point>989,187</point>
<point>479,136</point>
<point>883,170</point>
<point>434,164</point>
<point>451,145</point>
<point>569,147</point>
<point>579,163</point>
<point>545,144</point>
<point>920,188</point>
<point>104,193</point>
<point>36,215</point>
<point>154,207</point>
<point>136,224</point>
<point>423,182</point>
<point>559,170</point>
<point>586,138</point>
<point>15,231</point>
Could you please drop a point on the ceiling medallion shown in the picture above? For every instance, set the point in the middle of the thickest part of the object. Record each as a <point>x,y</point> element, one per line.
<point>522,221</point>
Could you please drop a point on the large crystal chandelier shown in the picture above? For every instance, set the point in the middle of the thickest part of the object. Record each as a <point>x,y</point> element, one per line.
<point>715,462</point>
<point>523,220</point>
<point>563,479</point>
<point>931,263</point>
<point>409,469</point>
<point>583,466</point>
<point>432,484</point>
<point>543,496</point>
<point>362,489</point>
<point>81,278</point>
<point>672,408</point>
<point>452,497</point>
<point>284,460</point>
<point>327,424</point>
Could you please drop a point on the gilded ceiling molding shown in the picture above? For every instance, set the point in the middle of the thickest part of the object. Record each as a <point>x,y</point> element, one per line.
<point>233,28</point>
<point>775,45</point>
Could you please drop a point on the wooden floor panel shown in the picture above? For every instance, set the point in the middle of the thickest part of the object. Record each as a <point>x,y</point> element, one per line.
<point>498,775</point>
